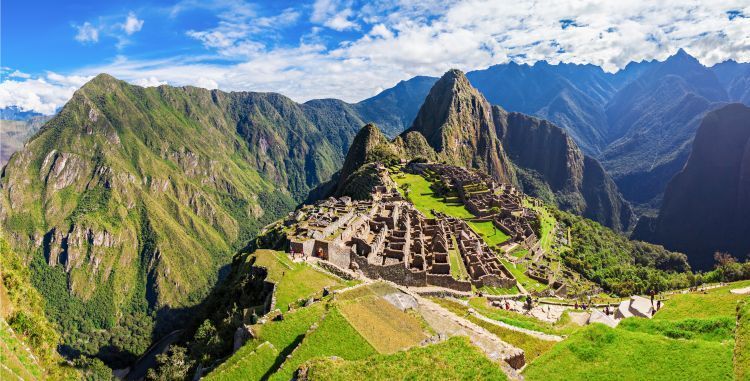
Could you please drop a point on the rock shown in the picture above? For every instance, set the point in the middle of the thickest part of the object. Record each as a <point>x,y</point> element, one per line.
<point>599,317</point>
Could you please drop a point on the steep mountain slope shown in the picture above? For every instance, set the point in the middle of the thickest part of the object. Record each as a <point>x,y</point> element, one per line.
<point>553,168</point>
<point>457,122</point>
<point>28,341</point>
<point>458,126</point>
<point>129,201</point>
<point>652,121</point>
<point>571,96</point>
<point>706,206</point>
<point>394,109</point>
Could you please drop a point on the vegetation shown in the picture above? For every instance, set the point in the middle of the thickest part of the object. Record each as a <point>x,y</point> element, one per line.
<point>742,342</point>
<point>333,337</point>
<point>562,327</point>
<point>426,200</point>
<point>533,347</point>
<point>454,359</point>
<point>620,266</point>
<point>603,353</point>
<point>714,303</point>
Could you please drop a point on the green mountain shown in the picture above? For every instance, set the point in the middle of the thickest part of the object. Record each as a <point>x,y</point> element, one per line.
<point>707,204</point>
<point>457,125</point>
<point>129,201</point>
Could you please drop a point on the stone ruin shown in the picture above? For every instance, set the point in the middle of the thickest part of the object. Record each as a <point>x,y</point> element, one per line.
<point>387,238</point>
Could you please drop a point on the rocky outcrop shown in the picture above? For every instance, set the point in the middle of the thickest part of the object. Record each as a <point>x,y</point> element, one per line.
<point>457,122</point>
<point>579,183</point>
<point>706,206</point>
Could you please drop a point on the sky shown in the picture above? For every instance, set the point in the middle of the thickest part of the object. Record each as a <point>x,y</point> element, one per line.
<point>343,49</point>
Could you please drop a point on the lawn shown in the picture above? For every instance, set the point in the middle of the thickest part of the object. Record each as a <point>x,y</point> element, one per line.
<point>384,326</point>
<point>598,352</point>
<point>425,200</point>
<point>294,281</point>
<point>716,302</point>
<point>547,225</point>
<point>283,336</point>
<point>742,342</point>
<point>714,329</point>
<point>334,337</point>
<point>454,359</point>
<point>518,271</point>
<point>498,291</point>
<point>533,347</point>
<point>488,232</point>
<point>458,269</point>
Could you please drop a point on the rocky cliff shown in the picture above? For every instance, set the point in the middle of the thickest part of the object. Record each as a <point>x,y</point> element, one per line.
<point>457,123</point>
<point>706,206</point>
<point>552,167</point>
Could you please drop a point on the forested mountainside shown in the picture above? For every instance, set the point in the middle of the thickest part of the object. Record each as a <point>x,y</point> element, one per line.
<point>457,125</point>
<point>129,201</point>
<point>706,205</point>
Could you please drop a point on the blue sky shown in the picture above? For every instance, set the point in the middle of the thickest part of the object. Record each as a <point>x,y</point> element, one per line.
<point>337,48</point>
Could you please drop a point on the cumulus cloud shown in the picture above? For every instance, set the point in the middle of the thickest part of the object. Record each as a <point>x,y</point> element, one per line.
<point>87,33</point>
<point>132,24</point>
<point>399,39</point>
<point>44,94</point>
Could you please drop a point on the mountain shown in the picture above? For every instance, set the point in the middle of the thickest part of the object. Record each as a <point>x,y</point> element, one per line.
<point>569,95</point>
<point>394,109</point>
<point>458,126</point>
<point>129,201</point>
<point>652,121</point>
<point>552,167</point>
<point>457,122</point>
<point>14,133</point>
<point>16,113</point>
<point>707,204</point>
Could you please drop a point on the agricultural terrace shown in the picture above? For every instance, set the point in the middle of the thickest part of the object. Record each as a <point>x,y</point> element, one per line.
<point>294,281</point>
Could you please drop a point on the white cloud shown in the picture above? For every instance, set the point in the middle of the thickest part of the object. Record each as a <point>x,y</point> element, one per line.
<point>44,94</point>
<point>334,14</point>
<point>148,82</point>
<point>401,39</point>
<point>86,33</point>
<point>132,24</point>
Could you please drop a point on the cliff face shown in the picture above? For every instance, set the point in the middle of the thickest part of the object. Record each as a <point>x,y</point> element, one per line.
<point>551,161</point>
<point>131,199</point>
<point>706,206</point>
<point>457,123</point>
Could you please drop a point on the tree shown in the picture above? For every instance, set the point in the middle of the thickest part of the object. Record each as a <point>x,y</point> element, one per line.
<point>207,342</point>
<point>173,365</point>
<point>723,259</point>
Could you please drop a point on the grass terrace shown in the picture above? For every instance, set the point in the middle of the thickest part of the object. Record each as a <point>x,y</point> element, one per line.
<point>563,327</point>
<point>294,281</point>
<point>717,302</point>
<point>597,352</point>
<point>425,200</point>
<point>454,359</point>
<point>486,229</point>
<point>519,272</point>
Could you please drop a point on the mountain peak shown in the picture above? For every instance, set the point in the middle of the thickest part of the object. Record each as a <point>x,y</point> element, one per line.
<point>682,57</point>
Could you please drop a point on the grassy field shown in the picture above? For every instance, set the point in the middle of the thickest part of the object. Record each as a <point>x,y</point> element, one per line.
<point>598,352</point>
<point>714,303</point>
<point>458,269</point>
<point>384,326</point>
<point>425,200</point>
<point>454,359</point>
<point>547,225</point>
<point>498,291</point>
<point>334,337</point>
<point>742,342</point>
<point>294,281</point>
<point>562,327</point>
<point>532,346</point>
<point>283,336</point>
<point>489,233</point>
<point>713,329</point>
<point>518,271</point>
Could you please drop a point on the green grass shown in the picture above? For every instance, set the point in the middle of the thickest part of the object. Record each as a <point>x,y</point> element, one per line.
<point>458,269</point>
<point>598,352</point>
<point>425,200</point>
<point>547,224</point>
<point>248,366</point>
<point>716,302</point>
<point>489,233</point>
<point>283,336</point>
<point>334,337</point>
<point>518,271</point>
<point>454,359</point>
<point>533,347</point>
<point>562,327</point>
<point>294,281</point>
<point>498,291</point>
<point>742,342</point>
<point>714,329</point>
